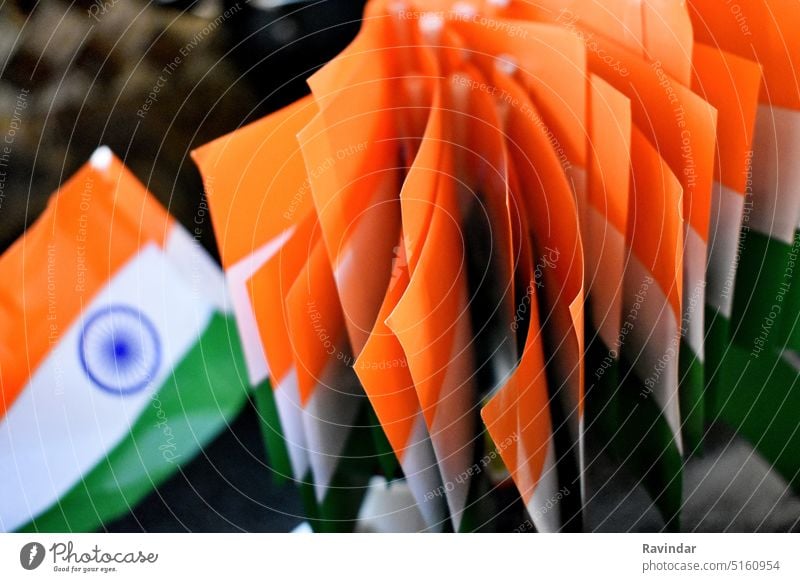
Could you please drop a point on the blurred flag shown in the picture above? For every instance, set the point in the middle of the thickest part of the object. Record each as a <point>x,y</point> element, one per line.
<point>118,359</point>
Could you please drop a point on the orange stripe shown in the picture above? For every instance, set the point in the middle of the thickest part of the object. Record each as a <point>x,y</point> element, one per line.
<point>620,19</point>
<point>352,143</point>
<point>656,29</point>
<point>268,289</point>
<point>679,124</point>
<point>390,386</point>
<point>482,169</point>
<point>609,155</point>
<point>255,180</point>
<point>553,215</point>
<point>655,228</point>
<point>667,33</point>
<point>315,322</point>
<point>731,84</point>
<point>500,415</point>
<point>519,412</point>
<point>355,185</point>
<point>92,226</point>
<point>428,315</point>
<point>766,31</point>
<point>553,221</point>
<point>383,370</point>
<point>533,416</point>
<point>552,65</point>
<point>420,184</point>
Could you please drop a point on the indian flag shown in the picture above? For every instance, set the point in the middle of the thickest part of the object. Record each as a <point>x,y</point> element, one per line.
<point>260,203</point>
<point>289,313</point>
<point>717,76</point>
<point>607,216</point>
<point>649,415</point>
<point>550,445</point>
<point>117,357</point>
<point>518,419</point>
<point>643,52</point>
<point>755,385</point>
<point>335,302</point>
<point>366,245</point>
<point>772,209</point>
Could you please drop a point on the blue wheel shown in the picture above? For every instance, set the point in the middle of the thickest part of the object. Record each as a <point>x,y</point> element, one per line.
<point>119,349</point>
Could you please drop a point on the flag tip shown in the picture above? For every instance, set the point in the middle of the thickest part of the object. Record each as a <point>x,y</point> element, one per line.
<point>101,158</point>
<point>431,25</point>
<point>464,10</point>
<point>506,64</point>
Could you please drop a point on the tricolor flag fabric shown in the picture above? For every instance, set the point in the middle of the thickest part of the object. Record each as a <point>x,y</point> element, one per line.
<point>770,216</point>
<point>250,240</point>
<point>649,409</point>
<point>754,387</point>
<point>502,229</point>
<point>288,311</point>
<point>717,75</point>
<point>118,356</point>
<point>673,120</point>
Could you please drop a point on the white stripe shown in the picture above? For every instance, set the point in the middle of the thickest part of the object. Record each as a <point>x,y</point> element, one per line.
<point>422,474</point>
<point>655,342</point>
<point>237,276</point>
<point>453,429</point>
<point>726,221</point>
<point>694,283</point>
<point>197,267</point>
<point>389,508</point>
<point>605,262</point>
<point>328,419</point>
<point>776,173</point>
<point>546,519</point>
<point>364,271</point>
<point>64,423</point>
<point>287,401</point>
<point>792,358</point>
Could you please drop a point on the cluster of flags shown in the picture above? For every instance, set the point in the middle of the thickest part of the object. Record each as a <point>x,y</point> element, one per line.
<point>494,230</point>
<point>541,222</point>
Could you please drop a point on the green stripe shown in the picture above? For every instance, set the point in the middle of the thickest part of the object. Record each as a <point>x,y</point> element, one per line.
<point>205,392</point>
<point>359,461</point>
<point>387,460</point>
<point>275,442</point>
<point>760,401</point>
<point>647,447</point>
<point>760,292</point>
<point>790,321</point>
<point>691,392</point>
<point>718,329</point>
<point>483,505</point>
<point>602,382</point>
<point>567,461</point>
<point>272,433</point>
